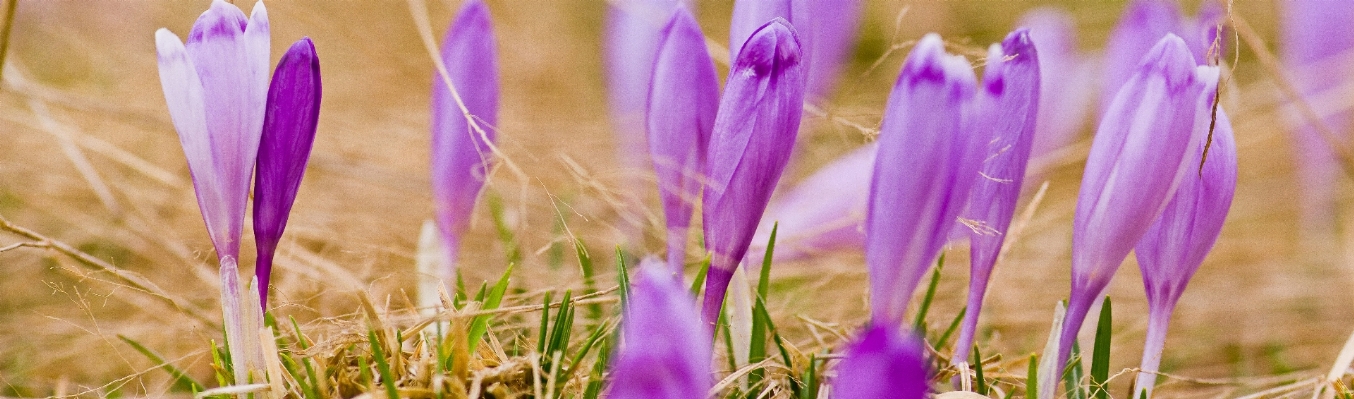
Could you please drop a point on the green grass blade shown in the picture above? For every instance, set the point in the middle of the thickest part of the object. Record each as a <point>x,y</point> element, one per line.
<point>559,339</point>
<point>1032,378</point>
<point>920,324</point>
<point>764,281</point>
<point>597,335</point>
<point>1100,362</point>
<point>304,344</point>
<point>545,323</point>
<point>622,277</point>
<point>1072,377</point>
<point>978,371</point>
<point>221,363</point>
<point>182,382</point>
<point>810,378</point>
<point>589,279</point>
<point>480,324</point>
<point>505,234</point>
<point>383,366</point>
<point>954,325</point>
<point>700,276</point>
<point>599,367</point>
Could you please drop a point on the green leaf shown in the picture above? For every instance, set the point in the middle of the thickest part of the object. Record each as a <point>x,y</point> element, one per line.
<point>599,367</point>
<point>920,324</point>
<point>589,281</point>
<point>700,276</point>
<point>182,382</point>
<point>597,335</point>
<point>480,324</point>
<point>978,371</point>
<point>314,390</point>
<point>1032,378</point>
<point>545,323</point>
<point>622,277</point>
<point>1072,376</point>
<point>505,234</point>
<point>383,366</point>
<point>1100,363</point>
<point>810,378</point>
<point>954,325</point>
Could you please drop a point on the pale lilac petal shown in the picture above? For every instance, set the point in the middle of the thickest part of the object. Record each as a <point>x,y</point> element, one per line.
<point>460,150</point>
<point>1176,244</point>
<point>1137,161</point>
<point>288,132</point>
<point>633,31</point>
<point>822,213</point>
<point>1066,80</point>
<point>681,113</point>
<point>1010,96</point>
<point>926,165</point>
<point>882,363</point>
<point>1143,24</point>
<point>828,29</point>
<point>185,98</point>
<point>664,352</point>
<point>750,15</point>
<point>754,133</point>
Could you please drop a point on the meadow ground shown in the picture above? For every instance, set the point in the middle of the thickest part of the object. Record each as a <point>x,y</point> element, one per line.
<point>89,158</point>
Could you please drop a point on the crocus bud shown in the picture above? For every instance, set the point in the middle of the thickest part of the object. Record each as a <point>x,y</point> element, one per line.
<point>681,112</point>
<point>1066,80</point>
<point>750,15</point>
<point>1010,100</point>
<point>463,123</point>
<point>664,353</point>
<point>634,29</point>
<point>216,87</point>
<point>828,29</point>
<point>1315,43</point>
<point>1144,23</point>
<point>1137,160</point>
<point>824,212</point>
<point>1178,241</point>
<point>753,135</point>
<point>926,165</point>
<point>288,132</point>
<point>882,363</point>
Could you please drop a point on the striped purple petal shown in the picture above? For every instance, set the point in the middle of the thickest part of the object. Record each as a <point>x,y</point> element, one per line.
<point>460,150</point>
<point>1010,98</point>
<point>1138,159</point>
<point>288,132</point>
<point>882,363</point>
<point>926,165</point>
<point>753,135</point>
<point>664,353</point>
<point>681,112</point>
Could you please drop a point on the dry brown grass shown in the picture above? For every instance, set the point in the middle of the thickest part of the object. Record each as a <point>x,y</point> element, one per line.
<point>80,87</point>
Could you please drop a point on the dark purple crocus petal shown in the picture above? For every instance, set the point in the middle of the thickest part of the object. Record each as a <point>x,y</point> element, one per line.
<point>1178,241</point>
<point>1143,24</point>
<point>633,30</point>
<point>216,86</point>
<point>664,352</point>
<point>1315,38</point>
<point>288,132</point>
<point>750,15</point>
<point>1138,159</point>
<point>460,150</point>
<point>882,363</point>
<point>926,165</point>
<point>753,135</point>
<point>828,29</point>
<point>824,212</point>
<point>1066,80</point>
<point>1010,97</point>
<point>681,112</point>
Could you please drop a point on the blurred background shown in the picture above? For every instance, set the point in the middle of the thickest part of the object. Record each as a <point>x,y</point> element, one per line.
<point>88,157</point>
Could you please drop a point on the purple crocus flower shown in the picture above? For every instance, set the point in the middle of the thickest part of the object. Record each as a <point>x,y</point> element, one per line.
<point>1315,37</point>
<point>882,363</point>
<point>288,132</point>
<point>463,123</point>
<point>824,212</point>
<point>681,112</point>
<point>926,165</point>
<point>1138,158</point>
<point>1143,24</point>
<point>1065,80</point>
<point>1178,241</point>
<point>1010,98</point>
<point>750,15</point>
<point>634,29</point>
<point>664,353</point>
<point>753,135</point>
<point>828,29</point>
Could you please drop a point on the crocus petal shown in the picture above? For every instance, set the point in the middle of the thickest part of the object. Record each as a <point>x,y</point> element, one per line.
<point>1011,97</point>
<point>1065,80</point>
<point>882,363</point>
<point>1137,161</point>
<point>922,175</point>
<point>1176,244</point>
<point>1315,40</point>
<point>828,29</point>
<point>681,112</point>
<point>749,16</point>
<point>634,29</point>
<point>1143,24</point>
<point>664,352</point>
<point>753,135</point>
<point>824,212</point>
<point>288,132</point>
<point>460,150</point>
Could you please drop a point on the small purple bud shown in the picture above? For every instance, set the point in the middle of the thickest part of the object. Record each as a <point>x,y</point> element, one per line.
<point>1138,159</point>
<point>681,112</point>
<point>882,363</point>
<point>664,353</point>
<point>927,162</point>
<point>1010,101</point>
<point>288,132</point>
<point>460,149</point>
<point>1178,241</point>
<point>753,135</point>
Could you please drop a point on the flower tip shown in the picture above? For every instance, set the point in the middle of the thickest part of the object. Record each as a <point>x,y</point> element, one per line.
<point>1017,43</point>
<point>1172,59</point>
<point>776,42</point>
<point>929,62</point>
<point>167,44</point>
